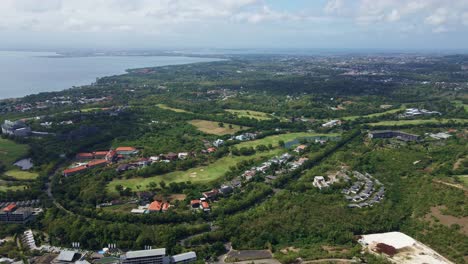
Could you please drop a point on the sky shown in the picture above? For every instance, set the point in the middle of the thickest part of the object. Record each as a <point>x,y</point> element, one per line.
<point>226,24</point>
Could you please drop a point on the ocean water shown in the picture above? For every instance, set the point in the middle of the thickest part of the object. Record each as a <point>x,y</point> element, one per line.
<point>24,73</point>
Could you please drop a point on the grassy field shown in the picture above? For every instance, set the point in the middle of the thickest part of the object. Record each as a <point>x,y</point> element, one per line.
<point>391,111</point>
<point>460,103</point>
<point>11,152</point>
<point>464,179</point>
<point>250,114</point>
<point>166,107</point>
<point>216,169</point>
<point>284,137</point>
<point>11,188</point>
<point>211,127</point>
<point>121,208</point>
<point>22,175</point>
<point>417,122</point>
<point>196,175</point>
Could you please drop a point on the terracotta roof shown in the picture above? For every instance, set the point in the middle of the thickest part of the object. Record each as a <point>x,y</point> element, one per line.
<point>125,149</point>
<point>101,153</point>
<point>96,162</point>
<point>155,206</point>
<point>195,202</point>
<point>74,170</point>
<point>165,206</point>
<point>205,205</point>
<point>9,208</point>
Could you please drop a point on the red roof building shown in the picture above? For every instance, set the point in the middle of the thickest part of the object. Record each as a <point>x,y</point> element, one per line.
<point>100,154</point>
<point>211,194</point>
<point>84,156</point>
<point>9,208</point>
<point>73,171</point>
<point>95,163</point>
<point>155,206</point>
<point>195,203</point>
<point>205,205</point>
<point>126,150</point>
<point>165,206</point>
<point>110,156</point>
<point>211,150</point>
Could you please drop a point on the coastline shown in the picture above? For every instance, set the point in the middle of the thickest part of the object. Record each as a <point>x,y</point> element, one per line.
<point>93,65</point>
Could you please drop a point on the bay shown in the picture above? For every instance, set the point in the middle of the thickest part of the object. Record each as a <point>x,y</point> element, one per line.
<point>23,73</point>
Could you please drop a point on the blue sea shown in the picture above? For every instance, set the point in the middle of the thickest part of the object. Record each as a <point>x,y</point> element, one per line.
<point>24,73</point>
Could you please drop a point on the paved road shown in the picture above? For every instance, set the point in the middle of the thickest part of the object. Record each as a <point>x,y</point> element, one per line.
<point>49,190</point>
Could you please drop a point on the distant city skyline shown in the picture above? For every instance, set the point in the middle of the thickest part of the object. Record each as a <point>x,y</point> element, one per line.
<point>229,24</point>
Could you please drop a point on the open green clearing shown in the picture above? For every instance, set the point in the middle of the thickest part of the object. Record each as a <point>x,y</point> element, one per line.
<point>460,103</point>
<point>250,114</point>
<point>121,208</point>
<point>166,107</point>
<point>391,111</point>
<point>22,175</point>
<point>11,151</point>
<point>196,175</point>
<point>4,188</point>
<point>464,179</point>
<point>216,169</point>
<point>417,122</point>
<point>273,140</point>
<point>211,127</point>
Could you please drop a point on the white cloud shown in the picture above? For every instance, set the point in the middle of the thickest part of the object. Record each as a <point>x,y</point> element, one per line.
<point>439,17</point>
<point>393,16</point>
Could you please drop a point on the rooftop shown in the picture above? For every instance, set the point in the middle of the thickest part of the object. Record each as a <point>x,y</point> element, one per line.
<point>146,253</point>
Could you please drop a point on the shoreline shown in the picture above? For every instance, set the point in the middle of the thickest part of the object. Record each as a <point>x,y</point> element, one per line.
<point>126,70</point>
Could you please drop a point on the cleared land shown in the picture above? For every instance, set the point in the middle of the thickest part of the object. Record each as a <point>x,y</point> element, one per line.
<point>250,114</point>
<point>418,122</point>
<point>211,127</point>
<point>392,111</point>
<point>22,175</point>
<point>166,107</point>
<point>10,151</point>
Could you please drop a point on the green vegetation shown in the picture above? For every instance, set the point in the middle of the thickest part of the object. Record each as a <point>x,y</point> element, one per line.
<point>419,122</point>
<point>275,139</point>
<point>21,175</point>
<point>463,179</point>
<point>166,107</point>
<point>200,174</point>
<point>4,188</point>
<point>250,114</point>
<point>11,151</point>
<point>216,128</point>
<point>392,111</point>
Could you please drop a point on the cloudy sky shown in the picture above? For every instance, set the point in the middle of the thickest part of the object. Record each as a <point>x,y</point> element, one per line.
<point>143,24</point>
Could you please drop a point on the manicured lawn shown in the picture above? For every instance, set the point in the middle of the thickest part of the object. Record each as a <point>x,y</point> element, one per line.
<point>285,137</point>
<point>392,111</point>
<point>196,175</point>
<point>11,188</point>
<point>417,122</point>
<point>22,175</point>
<point>87,110</point>
<point>250,114</point>
<point>166,107</point>
<point>211,127</point>
<point>11,151</point>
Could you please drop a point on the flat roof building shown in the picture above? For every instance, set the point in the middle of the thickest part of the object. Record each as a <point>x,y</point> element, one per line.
<point>150,256</point>
<point>188,257</point>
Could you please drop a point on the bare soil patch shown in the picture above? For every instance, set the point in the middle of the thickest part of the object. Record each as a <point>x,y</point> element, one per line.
<point>447,220</point>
